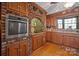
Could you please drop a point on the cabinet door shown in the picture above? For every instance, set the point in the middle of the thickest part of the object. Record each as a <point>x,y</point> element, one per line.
<point>61,38</point>
<point>54,37</point>
<point>23,48</point>
<point>34,43</point>
<point>71,41</point>
<point>23,8</point>
<point>57,38</point>
<point>13,49</point>
<point>76,42</point>
<point>66,40</point>
<point>13,6</point>
<point>39,41</point>
<point>49,36</point>
<point>44,39</point>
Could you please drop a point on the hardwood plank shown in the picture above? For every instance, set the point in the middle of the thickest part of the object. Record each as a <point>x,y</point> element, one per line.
<point>50,49</point>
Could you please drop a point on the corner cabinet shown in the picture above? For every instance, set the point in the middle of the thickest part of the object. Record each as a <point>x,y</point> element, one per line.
<point>38,40</point>
<point>49,36</point>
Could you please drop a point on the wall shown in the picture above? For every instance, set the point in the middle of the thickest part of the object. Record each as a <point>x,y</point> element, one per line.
<point>23,10</point>
<point>66,13</point>
<point>0,28</point>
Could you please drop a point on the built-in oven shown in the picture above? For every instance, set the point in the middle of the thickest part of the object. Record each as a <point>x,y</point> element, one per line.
<point>16,26</point>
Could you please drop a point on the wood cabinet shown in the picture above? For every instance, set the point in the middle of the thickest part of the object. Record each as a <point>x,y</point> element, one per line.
<point>76,42</point>
<point>49,36</point>
<point>23,48</point>
<point>13,6</point>
<point>20,8</point>
<point>23,8</point>
<point>53,37</point>
<point>59,38</point>
<point>38,40</point>
<point>34,43</point>
<point>19,48</point>
<point>70,40</point>
<point>13,49</point>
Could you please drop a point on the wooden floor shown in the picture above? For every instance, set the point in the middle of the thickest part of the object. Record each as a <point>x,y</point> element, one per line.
<point>50,49</point>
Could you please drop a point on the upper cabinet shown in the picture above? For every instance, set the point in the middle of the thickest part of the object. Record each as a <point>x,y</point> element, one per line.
<point>13,6</point>
<point>23,8</point>
<point>34,8</point>
<point>18,7</point>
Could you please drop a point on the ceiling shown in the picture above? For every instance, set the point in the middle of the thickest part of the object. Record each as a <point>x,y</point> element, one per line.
<point>53,7</point>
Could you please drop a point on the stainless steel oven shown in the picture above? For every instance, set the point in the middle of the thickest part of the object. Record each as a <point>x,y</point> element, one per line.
<point>16,26</point>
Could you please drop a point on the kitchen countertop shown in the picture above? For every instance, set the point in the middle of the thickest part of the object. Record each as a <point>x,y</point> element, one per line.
<point>67,33</point>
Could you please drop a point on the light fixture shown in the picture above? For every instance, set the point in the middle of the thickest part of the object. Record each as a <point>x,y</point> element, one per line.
<point>69,4</point>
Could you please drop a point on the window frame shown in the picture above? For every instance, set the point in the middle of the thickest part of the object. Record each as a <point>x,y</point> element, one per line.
<point>63,20</point>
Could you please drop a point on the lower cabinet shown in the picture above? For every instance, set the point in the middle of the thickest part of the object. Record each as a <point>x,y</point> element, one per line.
<point>67,39</point>
<point>71,40</point>
<point>19,48</point>
<point>76,42</point>
<point>23,48</point>
<point>57,37</point>
<point>38,40</point>
<point>49,36</point>
<point>12,49</point>
<point>34,43</point>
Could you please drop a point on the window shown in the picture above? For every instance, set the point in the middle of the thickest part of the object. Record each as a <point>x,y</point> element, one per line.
<point>60,23</point>
<point>70,22</point>
<point>67,22</point>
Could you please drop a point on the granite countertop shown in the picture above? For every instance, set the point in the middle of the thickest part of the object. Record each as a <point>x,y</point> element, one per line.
<point>38,33</point>
<point>67,33</point>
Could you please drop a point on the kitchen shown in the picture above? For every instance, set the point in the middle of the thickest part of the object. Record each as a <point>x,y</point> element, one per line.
<point>39,29</point>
